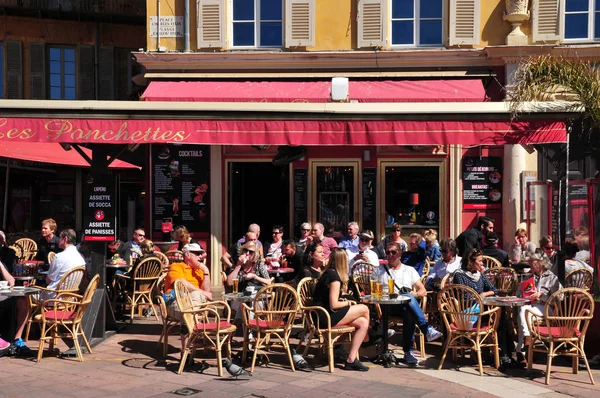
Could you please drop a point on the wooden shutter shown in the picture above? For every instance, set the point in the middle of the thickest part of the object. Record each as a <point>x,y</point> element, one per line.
<point>86,73</point>
<point>123,74</point>
<point>299,23</point>
<point>14,70</point>
<point>37,71</point>
<point>465,17</point>
<point>211,23</point>
<point>546,20</point>
<point>372,22</point>
<point>106,74</point>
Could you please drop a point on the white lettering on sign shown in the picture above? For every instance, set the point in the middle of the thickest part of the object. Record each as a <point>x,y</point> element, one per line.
<point>168,27</point>
<point>187,154</point>
<point>90,231</point>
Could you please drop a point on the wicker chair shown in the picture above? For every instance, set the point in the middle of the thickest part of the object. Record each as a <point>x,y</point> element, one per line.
<point>581,278</point>
<point>459,305</point>
<point>61,317</point>
<point>361,276</point>
<point>174,256</point>
<point>561,331</point>
<point>163,259</point>
<point>327,335</point>
<point>275,307</point>
<point>142,283</point>
<point>51,257</point>
<point>505,280</point>
<point>205,325</point>
<point>426,269</point>
<point>491,262</point>
<point>69,283</point>
<point>28,248</point>
<point>168,321</point>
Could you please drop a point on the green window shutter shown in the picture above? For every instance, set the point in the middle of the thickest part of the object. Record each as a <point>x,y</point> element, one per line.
<point>86,73</point>
<point>14,70</point>
<point>37,71</point>
<point>106,70</point>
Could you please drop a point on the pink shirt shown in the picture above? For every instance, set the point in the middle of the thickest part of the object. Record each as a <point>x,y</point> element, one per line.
<point>328,244</point>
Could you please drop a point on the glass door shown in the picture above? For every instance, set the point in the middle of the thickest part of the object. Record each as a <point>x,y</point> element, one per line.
<point>334,195</point>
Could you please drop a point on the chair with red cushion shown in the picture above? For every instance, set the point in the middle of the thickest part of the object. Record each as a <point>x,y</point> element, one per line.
<point>274,309</point>
<point>561,331</point>
<point>61,317</point>
<point>206,327</point>
<point>467,324</point>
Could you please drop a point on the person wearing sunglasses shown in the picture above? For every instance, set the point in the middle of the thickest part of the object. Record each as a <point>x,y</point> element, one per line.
<point>408,283</point>
<point>448,264</point>
<point>547,246</point>
<point>304,234</point>
<point>396,237</point>
<point>250,269</point>
<point>362,253</point>
<point>274,248</point>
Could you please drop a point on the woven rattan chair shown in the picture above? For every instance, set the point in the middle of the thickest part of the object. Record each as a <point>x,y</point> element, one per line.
<point>361,276</point>
<point>168,322</point>
<point>28,248</point>
<point>61,317</point>
<point>426,269</point>
<point>141,285</point>
<point>51,257</point>
<point>174,256</point>
<point>207,328</point>
<point>561,331</point>
<point>491,262</point>
<point>327,335</point>
<point>581,278</point>
<point>504,279</point>
<point>459,305</point>
<point>163,259</point>
<point>69,283</point>
<point>275,307</point>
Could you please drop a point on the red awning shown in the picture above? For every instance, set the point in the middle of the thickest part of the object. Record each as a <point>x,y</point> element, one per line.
<point>48,152</point>
<point>267,132</point>
<point>317,91</point>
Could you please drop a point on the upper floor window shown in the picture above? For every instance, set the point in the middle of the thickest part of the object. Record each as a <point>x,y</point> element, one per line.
<point>257,23</point>
<point>417,22</point>
<point>62,73</point>
<point>582,19</point>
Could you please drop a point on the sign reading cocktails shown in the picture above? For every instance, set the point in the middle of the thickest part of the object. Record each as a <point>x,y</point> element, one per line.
<point>99,220</point>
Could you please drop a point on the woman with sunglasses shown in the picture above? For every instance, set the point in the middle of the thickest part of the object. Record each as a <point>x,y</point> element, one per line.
<point>274,247</point>
<point>250,270</point>
<point>328,291</point>
<point>393,238</point>
<point>304,234</point>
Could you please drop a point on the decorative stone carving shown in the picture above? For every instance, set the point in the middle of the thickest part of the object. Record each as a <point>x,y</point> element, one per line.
<point>516,13</point>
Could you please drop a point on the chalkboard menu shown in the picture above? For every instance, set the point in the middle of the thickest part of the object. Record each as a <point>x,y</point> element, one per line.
<point>482,182</point>
<point>181,187</point>
<point>99,215</point>
<point>369,213</point>
<point>300,178</point>
<point>556,207</point>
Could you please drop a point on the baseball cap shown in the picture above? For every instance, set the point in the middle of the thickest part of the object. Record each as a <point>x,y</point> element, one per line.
<point>193,248</point>
<point>366,234</point>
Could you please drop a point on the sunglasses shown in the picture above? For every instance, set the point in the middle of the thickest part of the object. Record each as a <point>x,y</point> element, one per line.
<point>306,229</point>
<point>275,232</point>
<point>365,239</point>
<point>397,230</point>
<point>446,251</point>
<point>391,252</point>
<point>248,251</point>
<point>548,248</point>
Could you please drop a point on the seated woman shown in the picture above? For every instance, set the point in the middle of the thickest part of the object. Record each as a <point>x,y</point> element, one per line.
<point>545,284</point>
<point>432,247</point>
<point>147,249</point>
<point>314,261</point>
<point>250,270</point>
<point>447,264</point>
<point>522,249</point>
<point>471,275</point>
<point>274,248</point>
<point>330,286</point>
<point>571,249</point>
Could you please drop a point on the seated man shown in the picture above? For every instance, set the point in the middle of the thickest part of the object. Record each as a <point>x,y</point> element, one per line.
<point>120,249</point>
<point>362,252</point>
<point>491,249</point>
<point>448,264</point>
<point>48,242</point>
<point>195,276</point>
<point>294,256</point>
<point>408,283</point>
<point>135,243</point>
<point>416,254</point>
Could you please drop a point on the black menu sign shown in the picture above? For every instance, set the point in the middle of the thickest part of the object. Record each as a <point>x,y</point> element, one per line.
<point>181,186</point>
<point>369,182</point>
<point>482,182</point>
<point>99,215</point>
<point>300,198</point>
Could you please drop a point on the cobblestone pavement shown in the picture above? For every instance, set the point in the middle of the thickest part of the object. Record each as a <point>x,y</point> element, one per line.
<point>128,364</point>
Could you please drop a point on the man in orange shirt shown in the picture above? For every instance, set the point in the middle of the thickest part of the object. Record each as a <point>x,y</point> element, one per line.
<point>195,276</point>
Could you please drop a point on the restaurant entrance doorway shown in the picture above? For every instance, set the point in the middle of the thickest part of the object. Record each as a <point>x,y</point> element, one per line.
<point>259,192</point>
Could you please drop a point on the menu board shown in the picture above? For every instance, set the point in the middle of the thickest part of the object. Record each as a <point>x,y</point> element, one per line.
<point>556,207</point>
<point>300,198</point>
<point>482,182</point>
<point>99,215</point>
<point>369,182</point>
<point>181,186</point>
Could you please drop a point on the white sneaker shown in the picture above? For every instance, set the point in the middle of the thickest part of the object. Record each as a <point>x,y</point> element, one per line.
<point>433,334</point>
<point>391,332</point>
<point>410,359</point>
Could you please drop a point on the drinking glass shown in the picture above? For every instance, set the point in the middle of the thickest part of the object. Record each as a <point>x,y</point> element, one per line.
<point>235,286</point>
<point>379,290</point>
<point>373,288</point>
<point>390,286</point>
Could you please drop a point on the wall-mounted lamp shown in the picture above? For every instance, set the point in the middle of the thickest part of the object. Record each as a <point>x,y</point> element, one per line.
<point>366,155</point>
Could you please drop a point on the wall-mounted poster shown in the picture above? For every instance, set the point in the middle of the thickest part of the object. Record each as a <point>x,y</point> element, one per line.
<point>482,182</point>
<point>181,186</point>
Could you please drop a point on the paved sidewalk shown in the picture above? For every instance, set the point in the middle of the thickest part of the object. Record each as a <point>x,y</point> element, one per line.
<point>128,364</point>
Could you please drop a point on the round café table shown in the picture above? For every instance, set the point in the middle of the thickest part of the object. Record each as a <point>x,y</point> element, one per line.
<point>240,297</point>
<point>386,358</point>
<point>19,291</point>
<point>279,273</point>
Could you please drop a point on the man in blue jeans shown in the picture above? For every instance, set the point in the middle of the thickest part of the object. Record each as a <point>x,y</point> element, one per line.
<point>407,280</point>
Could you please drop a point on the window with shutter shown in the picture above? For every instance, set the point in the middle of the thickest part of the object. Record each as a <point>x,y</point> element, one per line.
<point>14,70</point>
<point>211,23</point>
<point>37,71</point>
<point>417,23</point>
<point>581,19</point>
<point>62,73</point>
<point>299,23</point>
<point>257,23</point>
<point>106,74</point>
<point>123,74</point>
<point>372,19</point>
<point>86,73</point>
<point>464,22</point>
<point>546,20</point>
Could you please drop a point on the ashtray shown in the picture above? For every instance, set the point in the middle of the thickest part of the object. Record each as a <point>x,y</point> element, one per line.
<point>393,296</point>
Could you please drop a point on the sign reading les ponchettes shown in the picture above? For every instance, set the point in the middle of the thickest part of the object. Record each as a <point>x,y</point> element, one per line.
<point>99,221</point>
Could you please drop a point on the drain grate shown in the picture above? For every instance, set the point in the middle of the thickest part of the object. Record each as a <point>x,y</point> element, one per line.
<point>185,391</point>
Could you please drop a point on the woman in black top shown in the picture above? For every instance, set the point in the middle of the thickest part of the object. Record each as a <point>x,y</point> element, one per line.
<point>314,261</point>
<point>327,295</point>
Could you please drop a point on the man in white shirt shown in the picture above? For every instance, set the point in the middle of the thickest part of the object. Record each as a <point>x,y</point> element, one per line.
<point>362,252</point>
<point>64,261</point>
<point>448,264</point>
<point>408,283</point>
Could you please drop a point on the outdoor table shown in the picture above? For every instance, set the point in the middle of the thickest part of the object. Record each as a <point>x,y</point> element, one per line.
<point>385,358</point>
<point>238,297</point>
<point>110,264</point>
<point>19,291</point>
<point>278,272</point>
<point>505,304</point>
<point>24,280</point>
